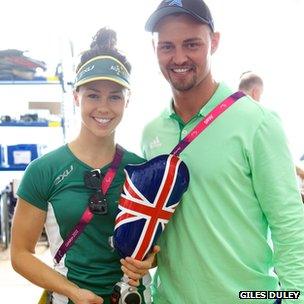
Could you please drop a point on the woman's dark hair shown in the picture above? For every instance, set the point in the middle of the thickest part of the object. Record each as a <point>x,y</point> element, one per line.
<point>104,43</point>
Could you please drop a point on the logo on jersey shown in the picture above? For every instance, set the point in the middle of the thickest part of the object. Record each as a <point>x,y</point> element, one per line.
<point>155,143</point>
<point>62,176</point>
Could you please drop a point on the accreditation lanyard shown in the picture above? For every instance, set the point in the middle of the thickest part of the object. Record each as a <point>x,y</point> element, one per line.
<point>88,215</point>
<point>207,121</point>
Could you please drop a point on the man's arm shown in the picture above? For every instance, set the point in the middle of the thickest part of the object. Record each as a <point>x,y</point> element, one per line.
<point>276,188</point>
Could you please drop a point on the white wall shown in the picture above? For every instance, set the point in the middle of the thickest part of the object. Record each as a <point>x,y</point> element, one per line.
<point>265,36</point>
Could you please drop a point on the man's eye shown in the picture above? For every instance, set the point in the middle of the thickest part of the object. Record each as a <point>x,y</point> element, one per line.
<point>165,47</point>
<point>192,45</point>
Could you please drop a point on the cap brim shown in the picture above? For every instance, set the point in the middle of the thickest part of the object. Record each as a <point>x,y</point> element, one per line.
<point>117,80</point>
<point>166,11</point>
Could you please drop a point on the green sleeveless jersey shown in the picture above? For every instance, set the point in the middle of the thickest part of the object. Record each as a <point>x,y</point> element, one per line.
<point>55,184</point>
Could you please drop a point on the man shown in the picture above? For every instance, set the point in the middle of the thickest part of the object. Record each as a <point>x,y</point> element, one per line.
<point>252,85</point>
<point>242,180</point>
<point>300,172</point>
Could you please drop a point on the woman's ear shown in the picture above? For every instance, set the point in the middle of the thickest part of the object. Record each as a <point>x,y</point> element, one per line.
<point>128,96</point>
<point>76,98</point>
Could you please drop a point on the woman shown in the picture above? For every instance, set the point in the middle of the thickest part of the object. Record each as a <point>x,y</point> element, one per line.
<point>62,187</point>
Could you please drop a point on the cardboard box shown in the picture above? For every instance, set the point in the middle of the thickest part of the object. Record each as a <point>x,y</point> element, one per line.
<point>53,107</point>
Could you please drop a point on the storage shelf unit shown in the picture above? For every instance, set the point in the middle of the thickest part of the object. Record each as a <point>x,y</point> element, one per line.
<point>22,97</point>
<point>19,98</point>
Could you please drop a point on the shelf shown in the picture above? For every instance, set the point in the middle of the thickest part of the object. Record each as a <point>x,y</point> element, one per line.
<point>31,124</point>
<point>29,82</point>
<point>19,168</point>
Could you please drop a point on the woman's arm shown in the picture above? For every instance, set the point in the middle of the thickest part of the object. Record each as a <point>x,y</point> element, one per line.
<point>27,227</point>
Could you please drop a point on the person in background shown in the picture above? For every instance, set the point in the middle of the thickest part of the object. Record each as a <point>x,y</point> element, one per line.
<point>63,186</point>
<point>251,84</point>
<point>300,172</point>
<point>242,178</point>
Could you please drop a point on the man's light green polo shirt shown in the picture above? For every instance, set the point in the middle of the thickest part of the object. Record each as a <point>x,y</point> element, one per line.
<point>242,181</point>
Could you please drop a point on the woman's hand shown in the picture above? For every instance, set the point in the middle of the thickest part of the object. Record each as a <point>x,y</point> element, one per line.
<point>135,269</point>
<point>84,296</point>
<point>27,227</point>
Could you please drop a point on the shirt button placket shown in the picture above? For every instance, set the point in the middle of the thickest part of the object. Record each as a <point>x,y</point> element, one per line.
<point>184,133</point>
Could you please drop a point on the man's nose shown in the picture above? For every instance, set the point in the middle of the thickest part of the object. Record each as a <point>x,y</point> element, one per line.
<point>179,56</point>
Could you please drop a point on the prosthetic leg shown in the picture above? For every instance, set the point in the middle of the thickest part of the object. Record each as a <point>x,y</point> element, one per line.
<point>151,193</point>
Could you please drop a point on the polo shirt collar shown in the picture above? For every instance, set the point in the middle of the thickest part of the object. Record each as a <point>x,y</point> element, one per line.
<point>219,95</point>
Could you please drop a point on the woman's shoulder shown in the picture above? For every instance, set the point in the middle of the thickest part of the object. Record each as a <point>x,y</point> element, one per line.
<point>56,156</point>
<point>132,158</point>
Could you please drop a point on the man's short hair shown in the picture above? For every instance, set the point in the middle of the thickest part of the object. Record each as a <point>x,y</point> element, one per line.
<point>248,80</point>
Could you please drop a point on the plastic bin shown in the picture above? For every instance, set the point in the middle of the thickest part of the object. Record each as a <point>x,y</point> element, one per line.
<point>21,155</point>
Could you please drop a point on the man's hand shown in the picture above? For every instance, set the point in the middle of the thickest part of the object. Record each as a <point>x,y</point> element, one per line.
<point>135,269</point>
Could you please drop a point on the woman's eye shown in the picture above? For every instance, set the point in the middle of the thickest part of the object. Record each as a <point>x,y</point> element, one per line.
<point>93,96</point>
<point>115,97</point>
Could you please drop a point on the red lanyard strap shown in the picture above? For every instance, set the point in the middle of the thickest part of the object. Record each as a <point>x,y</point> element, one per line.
<point>107,180</point>
<point>88,215</point>
<point>203,124</point>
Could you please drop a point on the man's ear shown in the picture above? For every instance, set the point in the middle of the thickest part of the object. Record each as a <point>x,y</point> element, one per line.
<point>153,45</point>
<point>76,98</point>
<point>256,93</point>
<point>154,41</point>
<point>215,39</point>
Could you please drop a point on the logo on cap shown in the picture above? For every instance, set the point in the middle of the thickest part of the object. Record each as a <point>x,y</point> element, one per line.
<point>117,69</point>
<point>175,2</point>
<point>86,70</point>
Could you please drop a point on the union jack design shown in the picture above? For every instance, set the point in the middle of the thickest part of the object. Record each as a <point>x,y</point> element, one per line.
<point>151,192</point>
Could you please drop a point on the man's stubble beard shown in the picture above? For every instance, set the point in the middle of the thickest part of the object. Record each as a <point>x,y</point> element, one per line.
<point>182,86</point>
